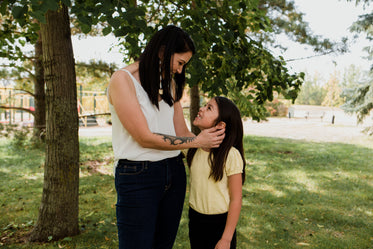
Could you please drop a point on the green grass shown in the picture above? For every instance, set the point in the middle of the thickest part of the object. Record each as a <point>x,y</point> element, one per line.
<point>297,194</point>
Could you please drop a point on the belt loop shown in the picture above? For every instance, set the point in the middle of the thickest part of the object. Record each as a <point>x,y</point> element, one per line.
<point>145,164</point>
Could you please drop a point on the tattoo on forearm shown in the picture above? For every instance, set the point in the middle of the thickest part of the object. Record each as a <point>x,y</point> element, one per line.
<point>176,140</point>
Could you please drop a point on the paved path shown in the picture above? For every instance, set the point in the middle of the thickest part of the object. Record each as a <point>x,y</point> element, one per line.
<point>310,130</point>
<point>295,128</point>
<point>95,131</point>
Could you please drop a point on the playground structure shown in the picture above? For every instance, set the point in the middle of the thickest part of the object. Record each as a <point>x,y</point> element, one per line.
<point>10,97</point>
<point>91,105</point>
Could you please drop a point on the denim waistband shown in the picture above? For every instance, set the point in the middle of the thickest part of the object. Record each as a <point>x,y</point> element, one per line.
<point>145,163</point>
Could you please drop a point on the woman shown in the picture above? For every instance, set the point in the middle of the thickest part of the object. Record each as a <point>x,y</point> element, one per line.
<point>149,130</point>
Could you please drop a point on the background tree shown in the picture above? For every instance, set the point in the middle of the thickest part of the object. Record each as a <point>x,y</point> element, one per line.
<point>351,76</point>
<point>359,99</point>
<point>221,36</point>
<point>358,96</point>
<point>22,82</point>
<point>13,38</point>
<point>231,47</point>
<point>333,92</point>
<point>247,27</point>
<point>286,20</point>
<point>364,25</point>
<point>312,91</point>
<point>94,75</point>
<point>58,216</point>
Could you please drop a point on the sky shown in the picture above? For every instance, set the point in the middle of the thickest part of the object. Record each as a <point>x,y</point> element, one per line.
<point>328,18</point>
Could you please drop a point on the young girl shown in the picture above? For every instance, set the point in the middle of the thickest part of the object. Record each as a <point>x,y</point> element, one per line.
<point>216,178</point>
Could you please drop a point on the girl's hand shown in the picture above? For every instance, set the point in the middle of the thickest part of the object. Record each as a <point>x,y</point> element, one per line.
<point>223,244</point>
<point>211,138</point>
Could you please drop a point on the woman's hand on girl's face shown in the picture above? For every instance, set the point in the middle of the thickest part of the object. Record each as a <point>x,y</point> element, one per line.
<point>211,138</point>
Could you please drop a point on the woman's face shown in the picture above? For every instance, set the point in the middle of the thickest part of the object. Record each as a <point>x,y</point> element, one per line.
<point>178,61</point>
<point>207,115</point>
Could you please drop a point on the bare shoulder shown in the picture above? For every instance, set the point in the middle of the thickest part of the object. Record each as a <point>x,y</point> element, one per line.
<point>119,76</point>
<point>120,81</point>
<point>124,73</point>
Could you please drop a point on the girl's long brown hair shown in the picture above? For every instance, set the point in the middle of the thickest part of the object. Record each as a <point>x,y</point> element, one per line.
<point>228,113</point>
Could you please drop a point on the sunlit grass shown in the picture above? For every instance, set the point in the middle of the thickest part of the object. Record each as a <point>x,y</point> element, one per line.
<point>297,194</point>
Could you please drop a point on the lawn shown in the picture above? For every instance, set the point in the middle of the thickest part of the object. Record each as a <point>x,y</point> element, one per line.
<point>297,194</point>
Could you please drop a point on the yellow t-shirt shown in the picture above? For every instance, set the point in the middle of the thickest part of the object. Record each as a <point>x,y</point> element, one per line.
<point>206,195</point>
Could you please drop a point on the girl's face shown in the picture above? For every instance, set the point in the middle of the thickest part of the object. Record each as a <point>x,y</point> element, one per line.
<point>207,115</point>
<point>178,61</point>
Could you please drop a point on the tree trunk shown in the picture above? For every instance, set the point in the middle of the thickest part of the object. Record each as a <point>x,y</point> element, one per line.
<point>39,94</point>
<point>58,212</point>
<point>194,107</point>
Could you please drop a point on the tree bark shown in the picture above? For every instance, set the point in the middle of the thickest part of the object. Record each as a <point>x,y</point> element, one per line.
<point>39,95</point>
<point>194,99</point>
<point>58,212</point>
<point>194,107</point>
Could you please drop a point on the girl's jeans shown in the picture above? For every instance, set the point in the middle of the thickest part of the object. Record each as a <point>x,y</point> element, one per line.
<point>150,198</point>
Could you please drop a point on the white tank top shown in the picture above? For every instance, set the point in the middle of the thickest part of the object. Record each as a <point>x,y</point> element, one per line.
<point>159,121</point>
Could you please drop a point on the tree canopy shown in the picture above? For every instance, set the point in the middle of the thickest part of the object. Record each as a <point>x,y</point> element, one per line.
<point>231,37</point>
<point>359,98</point>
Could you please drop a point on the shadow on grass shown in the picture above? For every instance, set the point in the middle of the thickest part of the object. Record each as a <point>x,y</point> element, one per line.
<point>306,194</point>
<point>21,183</point>
<point>296,194</point>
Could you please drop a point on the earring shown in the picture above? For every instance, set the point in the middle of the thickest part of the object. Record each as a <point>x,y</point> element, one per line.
<point>160,91</point>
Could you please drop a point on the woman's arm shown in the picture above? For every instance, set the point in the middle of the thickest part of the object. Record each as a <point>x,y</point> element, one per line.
<point>181,128</point>
<point>235,193</point>
<point>122,95</point>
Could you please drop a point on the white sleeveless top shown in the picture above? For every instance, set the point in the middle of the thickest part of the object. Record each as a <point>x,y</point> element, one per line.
<point>159,121</point>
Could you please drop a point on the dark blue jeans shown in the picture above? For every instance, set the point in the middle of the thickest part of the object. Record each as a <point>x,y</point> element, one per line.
<point>150,198</point>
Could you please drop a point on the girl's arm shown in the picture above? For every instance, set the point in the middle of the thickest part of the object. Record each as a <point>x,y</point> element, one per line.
<point>122,95</point>
<point>235,193</point>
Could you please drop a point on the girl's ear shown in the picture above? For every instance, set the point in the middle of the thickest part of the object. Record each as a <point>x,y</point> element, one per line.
<point>221,125</point>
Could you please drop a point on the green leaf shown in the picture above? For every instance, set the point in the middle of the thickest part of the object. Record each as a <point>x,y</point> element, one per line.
<point>242,5</point>
<point>85,28</point>
<point>120,32</point>
<point>19,12</point>
<point>85,19</point>
<point>106,31</point>
<point>114,22</point>
<point>49,5</point>
<point>3,7</point>
<point>39,15</point>
<point>66,2</point>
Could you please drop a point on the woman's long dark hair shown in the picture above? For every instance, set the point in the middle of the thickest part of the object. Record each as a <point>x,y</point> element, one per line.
<point>230,115</point>
<point>167,41</point>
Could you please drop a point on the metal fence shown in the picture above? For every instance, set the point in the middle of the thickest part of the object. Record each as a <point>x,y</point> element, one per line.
<point>14,102</point>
